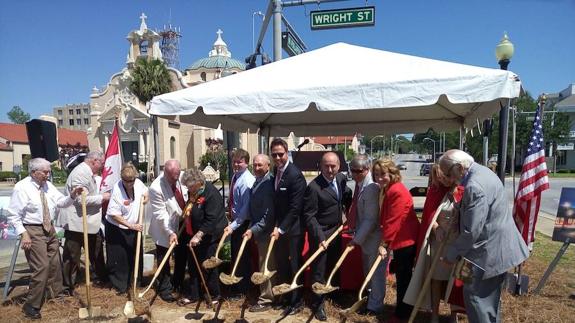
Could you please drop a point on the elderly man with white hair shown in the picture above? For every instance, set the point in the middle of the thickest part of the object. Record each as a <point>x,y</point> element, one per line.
<point>488,242</point>
<point>33,205</point>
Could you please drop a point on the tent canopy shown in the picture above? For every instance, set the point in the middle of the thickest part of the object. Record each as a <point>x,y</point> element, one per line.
<point>344,89</point>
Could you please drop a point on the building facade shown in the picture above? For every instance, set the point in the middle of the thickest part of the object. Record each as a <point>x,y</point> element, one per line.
<point>564,101</point>
<point>74,116</point>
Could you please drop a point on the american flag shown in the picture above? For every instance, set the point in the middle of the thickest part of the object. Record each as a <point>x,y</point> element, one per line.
<point>533,181</point>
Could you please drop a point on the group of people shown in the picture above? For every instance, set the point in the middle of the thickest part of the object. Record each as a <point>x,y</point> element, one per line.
<point>465,219</point>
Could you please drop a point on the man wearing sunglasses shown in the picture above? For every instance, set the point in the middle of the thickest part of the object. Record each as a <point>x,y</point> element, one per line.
<point>289,185</point>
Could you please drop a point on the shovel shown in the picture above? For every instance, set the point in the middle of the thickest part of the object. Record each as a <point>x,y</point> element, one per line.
<point>200,272</point>
<point>89,312</point>
<point>214,261</point>
<point>232,279</point>
<point>360,300</point>
<point>259,277</point>
<point>320,288</point>
<point>129,307</point>
<point>285,288</point>
<point>157,273</point>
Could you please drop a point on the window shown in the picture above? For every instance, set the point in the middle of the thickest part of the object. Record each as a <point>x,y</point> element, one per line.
<point>561,157</point>
<point>144,48</point>
<point>203,76</point>
<point>59,112</point>
<point>60,123</point>
<point>172,147</point>
<point>71,111</point>
<point>78,111</point>
<point>79,122</point>
<point>86,121</point>
<point>71,122</point>
<point>85,111</point>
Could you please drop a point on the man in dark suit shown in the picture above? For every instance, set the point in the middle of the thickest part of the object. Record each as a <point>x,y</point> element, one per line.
<point>323,209</point>
<point>290,186</point>
<point>261,218</point>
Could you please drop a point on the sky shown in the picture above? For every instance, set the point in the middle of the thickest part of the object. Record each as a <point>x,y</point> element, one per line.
<point>52,53</point>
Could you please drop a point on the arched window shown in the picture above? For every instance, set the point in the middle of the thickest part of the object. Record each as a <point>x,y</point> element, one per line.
<point>172,147</point>
<point>144,48</point>
<point>203,76</point>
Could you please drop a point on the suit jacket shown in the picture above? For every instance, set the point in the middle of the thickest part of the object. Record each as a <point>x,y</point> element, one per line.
<point>323,207</point>
<point>165,210</point>
<point>71,217</point>
<point>289,201</point>
<point>400,226</point>
<point>487,233</point>
<point>368,232</point>
<point>209,216</point>
<point>261,212</point>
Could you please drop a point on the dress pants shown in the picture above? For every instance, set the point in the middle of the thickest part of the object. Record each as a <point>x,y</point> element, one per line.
<point>71,257</point>
<point>120,256</point>
<point>44,260</point>
<point>181,261</point>
<point>483,299</point>
<point>288,261</point>
<point>163,285</point>
<point>205,250</point>
<point>404,262</point>
<point>266,295</point>
<point>377,284</point>
<point>244,266</point>
<point>323,264</point>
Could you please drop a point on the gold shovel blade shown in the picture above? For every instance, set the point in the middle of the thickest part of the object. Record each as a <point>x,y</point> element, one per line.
<point>229,280</point>
<point>356,306</point>
<point>284,288</point>
<point>129,309</point>
<point>321,289</point>
<point>211,263</point>
<point>84,312</point>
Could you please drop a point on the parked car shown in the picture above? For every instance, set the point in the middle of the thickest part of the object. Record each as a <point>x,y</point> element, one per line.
<point>401,166</point>
<point>425,169</point>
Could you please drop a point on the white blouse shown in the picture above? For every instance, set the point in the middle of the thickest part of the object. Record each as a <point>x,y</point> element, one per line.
<point>121,205</point>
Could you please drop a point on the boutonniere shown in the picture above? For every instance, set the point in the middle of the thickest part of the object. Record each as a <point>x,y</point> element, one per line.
<point>126,202</point>
<point>201,200</point>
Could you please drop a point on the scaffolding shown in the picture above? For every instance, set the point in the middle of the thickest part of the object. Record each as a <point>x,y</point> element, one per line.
<point>170,46</point>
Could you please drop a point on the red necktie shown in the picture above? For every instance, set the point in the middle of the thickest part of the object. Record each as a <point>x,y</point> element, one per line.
<point>180,199</point>
<point>352,216</point>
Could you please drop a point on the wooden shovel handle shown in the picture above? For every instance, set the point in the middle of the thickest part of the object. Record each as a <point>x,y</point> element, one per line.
<point>86,251</point>
<point>220,244</point>
<point>200,271</point>
<point>270,247</point>
<point>316,254</point>
<point>242,246</point>
<point>347,250</point>
<point>138,243</point>
<point>369,274</point>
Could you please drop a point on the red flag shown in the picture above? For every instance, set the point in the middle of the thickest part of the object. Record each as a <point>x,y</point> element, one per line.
<point>113,163</point>
<point>533,181</point>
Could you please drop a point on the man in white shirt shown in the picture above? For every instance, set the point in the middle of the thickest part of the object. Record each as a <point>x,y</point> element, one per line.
<point>239,203</point>
<point>33,205</point>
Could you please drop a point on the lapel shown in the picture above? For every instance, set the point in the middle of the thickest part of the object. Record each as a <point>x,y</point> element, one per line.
<point>326,186</point>
<point>169,196</point>
<point>263,180</point>
<point>282,179</point>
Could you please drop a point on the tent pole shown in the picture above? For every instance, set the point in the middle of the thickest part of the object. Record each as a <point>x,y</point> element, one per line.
<point>461,134</point>
<point>156,147</point>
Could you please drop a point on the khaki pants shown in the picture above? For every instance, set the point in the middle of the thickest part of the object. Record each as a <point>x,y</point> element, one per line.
<point>44,260</point>
<point>266,296</point>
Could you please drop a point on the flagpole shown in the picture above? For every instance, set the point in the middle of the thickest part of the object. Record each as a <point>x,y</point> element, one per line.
<point>117,125</point>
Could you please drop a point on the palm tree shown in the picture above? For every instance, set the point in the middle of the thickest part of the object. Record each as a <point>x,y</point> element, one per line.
<point>150,78</point>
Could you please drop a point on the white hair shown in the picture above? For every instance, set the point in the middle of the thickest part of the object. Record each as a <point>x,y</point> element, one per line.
<point>95,155</point>
<point>38,164</point>
<point>456,157</point>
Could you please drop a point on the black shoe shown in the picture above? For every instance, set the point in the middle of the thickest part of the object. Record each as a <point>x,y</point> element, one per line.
<point>292,310</point>
<point>320,314</point>
<point>259,308</point>
<point>167,297</point>
<point>31,312</point>
<point>234,298</point>
<point>279,306</point>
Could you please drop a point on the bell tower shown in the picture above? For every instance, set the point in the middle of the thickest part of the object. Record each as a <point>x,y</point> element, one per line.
<point>144,43</point>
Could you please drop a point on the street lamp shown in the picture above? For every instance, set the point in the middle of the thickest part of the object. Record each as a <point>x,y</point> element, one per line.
<point>427,138</point>
<point>503,52</point>
<point>371,144</point>
<point>256,13</point>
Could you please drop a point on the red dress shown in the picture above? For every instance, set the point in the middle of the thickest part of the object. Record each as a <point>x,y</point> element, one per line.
<point>399,222</point>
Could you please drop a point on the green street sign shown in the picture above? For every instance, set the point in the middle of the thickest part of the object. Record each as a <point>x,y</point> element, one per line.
<point>342,18</point>
<point>291,45</point>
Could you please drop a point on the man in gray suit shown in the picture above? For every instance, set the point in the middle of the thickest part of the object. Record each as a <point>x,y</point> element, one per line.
<point>261,217</point>
<point>363,218</point>
<point>83,176</point>
<point>488,238</point>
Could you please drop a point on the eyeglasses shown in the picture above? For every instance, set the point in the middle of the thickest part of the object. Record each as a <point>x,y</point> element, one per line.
<point>356,171</point>
<point>280,155</point>
<point>128,181</point>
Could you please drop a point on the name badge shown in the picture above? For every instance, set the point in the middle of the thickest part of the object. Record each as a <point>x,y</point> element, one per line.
<point>283,189</point>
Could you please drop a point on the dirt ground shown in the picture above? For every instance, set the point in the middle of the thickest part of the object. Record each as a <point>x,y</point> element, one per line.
<point>552,305</point>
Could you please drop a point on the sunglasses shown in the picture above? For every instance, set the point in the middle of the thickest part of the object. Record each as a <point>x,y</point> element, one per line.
<point>356,171</point>
<point>280,155</point>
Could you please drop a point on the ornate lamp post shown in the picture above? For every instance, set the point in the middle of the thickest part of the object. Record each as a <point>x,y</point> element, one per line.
<point>503,52</point>
<point>427,138</point>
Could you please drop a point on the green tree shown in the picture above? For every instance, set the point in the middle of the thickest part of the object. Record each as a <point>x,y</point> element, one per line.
<point>149,78</point>
<point>17,115</point>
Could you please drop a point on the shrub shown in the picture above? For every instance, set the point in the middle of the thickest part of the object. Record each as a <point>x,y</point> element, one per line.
<point>218,159</point>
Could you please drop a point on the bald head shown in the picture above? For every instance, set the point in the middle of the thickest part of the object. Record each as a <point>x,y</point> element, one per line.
<point>329,165</point>
<point>172,170</point>
<point>261,165</point>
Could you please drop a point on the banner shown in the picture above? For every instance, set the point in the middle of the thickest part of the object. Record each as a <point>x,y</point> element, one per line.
<point>565,220</point>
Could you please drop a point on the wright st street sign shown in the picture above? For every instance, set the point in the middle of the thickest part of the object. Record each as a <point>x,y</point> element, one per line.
<point>342,18</point>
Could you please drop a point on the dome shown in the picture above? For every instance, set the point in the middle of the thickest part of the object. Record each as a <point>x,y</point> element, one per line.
<point>217,62</point>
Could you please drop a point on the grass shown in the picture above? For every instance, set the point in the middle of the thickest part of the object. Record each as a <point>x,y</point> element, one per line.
<point>561,175</point>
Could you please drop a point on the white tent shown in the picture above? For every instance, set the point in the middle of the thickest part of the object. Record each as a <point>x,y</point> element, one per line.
<point>343,89</point>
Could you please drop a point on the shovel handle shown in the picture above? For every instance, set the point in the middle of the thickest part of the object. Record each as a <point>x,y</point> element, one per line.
<point>86,252</point>
<point>240,252</point>
<point>316,254</point>
<point>220,244</point>
<point>138,243</point>
<point>270,247</point>
<point>199,268</point>
<point>369,274</point>
<point>347,250</point>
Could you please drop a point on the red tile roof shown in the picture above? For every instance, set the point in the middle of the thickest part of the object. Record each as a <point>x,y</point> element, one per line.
<point>332,140</point>
<point>17,133</point>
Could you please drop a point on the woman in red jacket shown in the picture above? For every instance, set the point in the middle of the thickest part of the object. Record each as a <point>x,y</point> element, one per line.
<point>399,228</point>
